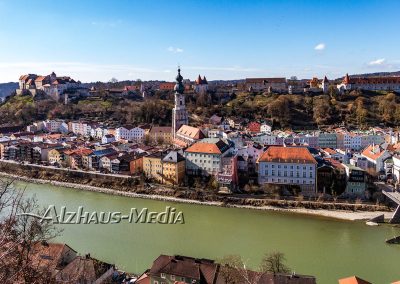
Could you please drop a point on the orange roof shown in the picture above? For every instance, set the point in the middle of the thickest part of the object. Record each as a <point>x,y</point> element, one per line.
<point>330,151</point>
<point>373,152</point>
<point>353,280</point>
<point>209,148</point>
<point>287,155</point>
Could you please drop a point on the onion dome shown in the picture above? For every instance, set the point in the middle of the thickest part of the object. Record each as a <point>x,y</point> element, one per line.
<point>179,87</point>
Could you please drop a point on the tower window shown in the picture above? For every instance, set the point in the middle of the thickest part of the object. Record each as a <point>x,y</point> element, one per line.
<point>180,102</point>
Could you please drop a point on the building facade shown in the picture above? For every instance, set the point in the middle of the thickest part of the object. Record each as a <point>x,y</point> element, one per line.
<point>288,166</point>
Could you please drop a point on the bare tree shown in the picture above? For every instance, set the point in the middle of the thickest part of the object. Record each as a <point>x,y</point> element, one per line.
<point>19,234</point>
<point>274,263</point>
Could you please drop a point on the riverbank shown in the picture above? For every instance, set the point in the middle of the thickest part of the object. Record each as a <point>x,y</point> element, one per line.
<point>335,214</point>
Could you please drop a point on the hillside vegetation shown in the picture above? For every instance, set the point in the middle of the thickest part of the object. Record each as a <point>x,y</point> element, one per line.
<point>354,109</point>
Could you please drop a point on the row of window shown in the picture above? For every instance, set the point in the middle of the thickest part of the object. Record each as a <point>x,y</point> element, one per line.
<point>285,167</point>
<point>287,181</point>
<point>285,174</point>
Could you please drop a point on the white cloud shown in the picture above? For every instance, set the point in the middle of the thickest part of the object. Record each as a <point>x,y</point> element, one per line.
<point>380,61</point>
<point>320,46</point>
<point>175,49</point>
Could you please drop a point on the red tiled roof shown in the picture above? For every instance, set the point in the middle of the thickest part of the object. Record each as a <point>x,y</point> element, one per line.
<point>287,155</point>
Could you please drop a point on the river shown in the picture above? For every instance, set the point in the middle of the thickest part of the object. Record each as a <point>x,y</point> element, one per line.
<point>326,248</point>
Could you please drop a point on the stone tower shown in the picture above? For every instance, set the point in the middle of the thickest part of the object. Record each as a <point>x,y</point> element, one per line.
<point>179,113</point>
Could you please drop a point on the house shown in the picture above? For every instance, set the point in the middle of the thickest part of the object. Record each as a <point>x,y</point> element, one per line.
<point>254,127</point>
<point>110,163</point>
<point>173,165</point>
<point>161,134</point>
<point>205,157</point>
<point>188,270</point>
<point>356,179</point>
<point>95,156</point>
<point>187,135</point>
<point>293,166</point>
<point>130,133</point>
<point>376,155</point>
<point>85,269</point>
<point>331,153</point>
<point>183,269</point>
<point>228,176</point>
<point>153,166</point>
<point>265,128</point>
<point>132,163</point>
<point>108,138</point>
<point>52,256</point>
<point>250,154</point>
<point>56,156</point>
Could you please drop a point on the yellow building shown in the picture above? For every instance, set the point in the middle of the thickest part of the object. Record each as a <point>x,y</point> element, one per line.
<point>165,168</point>
<point>161,134</point>
<point>152,166</point>
<point>173,168</point>
<point>56,156</point>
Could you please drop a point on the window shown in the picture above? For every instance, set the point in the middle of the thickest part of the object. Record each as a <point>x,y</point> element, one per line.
<point>172,277</point>
<point>163,275</point>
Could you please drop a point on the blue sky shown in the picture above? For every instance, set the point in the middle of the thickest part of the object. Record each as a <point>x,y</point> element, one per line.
<point>96,40</point>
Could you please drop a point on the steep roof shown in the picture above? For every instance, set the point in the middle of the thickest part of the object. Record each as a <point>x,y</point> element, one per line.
<point>287,155</point>
<point>190,131</point>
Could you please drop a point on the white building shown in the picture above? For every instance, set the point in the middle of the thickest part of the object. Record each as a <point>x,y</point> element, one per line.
<point>288,166</point>
<point>108,138</point>
<point>131,134</point>
<point>200,85</point>
<point>396,169</point>
<point>376,157</point>
<point>265,128</point>
<point>204,157</point>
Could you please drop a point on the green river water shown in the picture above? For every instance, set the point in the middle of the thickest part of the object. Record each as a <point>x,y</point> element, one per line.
<point>325,248</point>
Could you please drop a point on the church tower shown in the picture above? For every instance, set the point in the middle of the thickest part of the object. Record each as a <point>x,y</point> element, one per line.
<point>179,113</point>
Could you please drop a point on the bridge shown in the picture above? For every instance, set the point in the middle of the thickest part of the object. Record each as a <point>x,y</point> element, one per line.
<point>395,197</point>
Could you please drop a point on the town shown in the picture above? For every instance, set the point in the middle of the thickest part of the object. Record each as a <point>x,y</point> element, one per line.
<point>228,154</point>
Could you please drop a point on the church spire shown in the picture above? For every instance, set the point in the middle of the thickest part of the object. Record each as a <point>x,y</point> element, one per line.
<point>179,87</point>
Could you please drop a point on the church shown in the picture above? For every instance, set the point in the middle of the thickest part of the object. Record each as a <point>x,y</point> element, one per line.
<point>179,112</point>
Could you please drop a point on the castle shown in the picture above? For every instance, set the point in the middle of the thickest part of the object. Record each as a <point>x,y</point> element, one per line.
<point>52,85</point>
